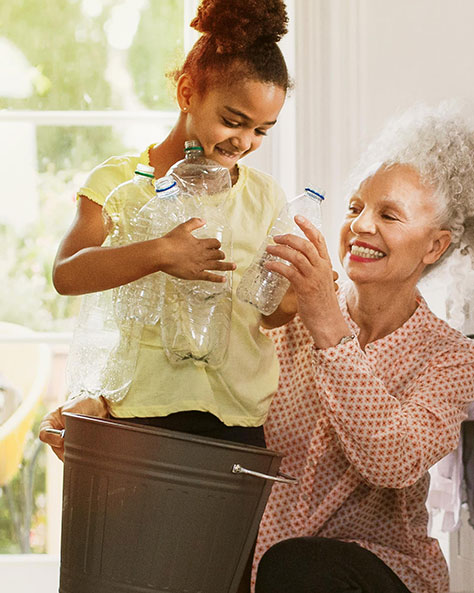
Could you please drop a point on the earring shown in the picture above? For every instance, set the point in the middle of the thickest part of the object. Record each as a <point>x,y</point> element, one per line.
<point>184,109</point>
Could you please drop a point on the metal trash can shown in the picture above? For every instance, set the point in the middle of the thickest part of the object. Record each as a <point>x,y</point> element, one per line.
<point>149,510</point>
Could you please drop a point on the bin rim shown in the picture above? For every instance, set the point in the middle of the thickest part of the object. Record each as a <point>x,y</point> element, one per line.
<point>174,434</point>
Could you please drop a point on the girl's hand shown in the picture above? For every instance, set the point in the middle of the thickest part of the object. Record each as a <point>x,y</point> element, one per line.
<point>186,256</point>
<point>312,278</point>
<point>90,406</point>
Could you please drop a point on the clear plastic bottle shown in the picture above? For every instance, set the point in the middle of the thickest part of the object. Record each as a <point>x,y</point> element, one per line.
<point>141,300</point>
<point>123,203</point>
<point>197,314</point>
<point>205,184</point>
<point>104,348</point>
<point>95,336</point>
<point>265,288</point>
<point>118,371</point>
<point>139,303</point>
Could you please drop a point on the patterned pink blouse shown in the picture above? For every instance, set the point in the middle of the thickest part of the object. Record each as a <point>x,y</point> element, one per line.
<point>360,430</point>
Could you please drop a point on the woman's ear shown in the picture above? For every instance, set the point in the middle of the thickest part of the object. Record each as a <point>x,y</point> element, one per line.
<point>184,92</point>
<point>441,241</point>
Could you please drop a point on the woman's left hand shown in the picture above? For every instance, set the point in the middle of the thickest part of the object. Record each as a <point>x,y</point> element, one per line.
<point>312,278</point>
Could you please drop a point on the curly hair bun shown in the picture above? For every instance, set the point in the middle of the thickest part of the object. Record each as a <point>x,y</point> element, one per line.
<point>238,24</point>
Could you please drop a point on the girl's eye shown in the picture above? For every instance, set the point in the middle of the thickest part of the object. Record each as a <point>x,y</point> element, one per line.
<point>230,124</point>
<point>260,132</point>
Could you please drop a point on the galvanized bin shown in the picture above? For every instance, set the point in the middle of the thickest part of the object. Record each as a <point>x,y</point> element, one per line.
<point>149,510</point>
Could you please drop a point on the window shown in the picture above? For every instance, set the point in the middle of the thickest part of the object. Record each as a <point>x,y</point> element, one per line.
<point>97,89</point>
<point>80,80</point>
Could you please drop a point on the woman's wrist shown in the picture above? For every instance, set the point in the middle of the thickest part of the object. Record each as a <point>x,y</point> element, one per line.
<point>333,336</point>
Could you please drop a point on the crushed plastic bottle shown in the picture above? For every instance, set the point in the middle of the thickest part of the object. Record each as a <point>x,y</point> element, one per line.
<point>139,303</point>
<point>142,299</point>
<point>123,203</point>
<point>95,336</point>
<point>104,348</point>
<point>197,314</point>
<point>262,288</point>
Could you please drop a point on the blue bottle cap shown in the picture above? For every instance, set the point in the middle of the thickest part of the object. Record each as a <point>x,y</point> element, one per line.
<point>313,193</point>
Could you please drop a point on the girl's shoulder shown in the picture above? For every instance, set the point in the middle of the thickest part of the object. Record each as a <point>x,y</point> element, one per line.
<point>260,186</point>
<point>107,175</point>
<point>255,176</point>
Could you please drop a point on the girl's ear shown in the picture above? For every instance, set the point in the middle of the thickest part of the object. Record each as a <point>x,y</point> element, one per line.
<point>184,91</point>
<point>441,242</point>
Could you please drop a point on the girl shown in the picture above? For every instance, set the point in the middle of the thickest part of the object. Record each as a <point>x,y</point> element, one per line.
<point>229,91</point>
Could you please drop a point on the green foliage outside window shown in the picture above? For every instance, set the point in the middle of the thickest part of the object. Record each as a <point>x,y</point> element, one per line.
<point>157,48</point>
<point>69,63</point>
<point>69,52</point>
<point>73,66</point>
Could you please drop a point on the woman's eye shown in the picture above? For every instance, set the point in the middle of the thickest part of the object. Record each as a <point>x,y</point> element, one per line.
<point>260,132</point>
<point>389,217</point>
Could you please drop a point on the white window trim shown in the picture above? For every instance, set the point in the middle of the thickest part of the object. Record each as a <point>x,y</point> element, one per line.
<point>86,118</point>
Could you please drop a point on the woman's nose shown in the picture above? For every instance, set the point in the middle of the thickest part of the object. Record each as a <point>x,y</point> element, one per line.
<point>364,223</point>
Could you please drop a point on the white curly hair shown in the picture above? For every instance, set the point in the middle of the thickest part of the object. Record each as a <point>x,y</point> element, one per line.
<point>438,142</point>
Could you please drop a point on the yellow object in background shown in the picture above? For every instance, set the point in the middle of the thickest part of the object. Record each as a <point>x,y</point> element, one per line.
<point>25,365</point>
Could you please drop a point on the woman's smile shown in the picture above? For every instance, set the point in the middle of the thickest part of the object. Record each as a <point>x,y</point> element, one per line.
<point>364,252</point>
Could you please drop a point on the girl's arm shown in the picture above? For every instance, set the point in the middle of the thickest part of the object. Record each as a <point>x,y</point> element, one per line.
<point>82,265</point>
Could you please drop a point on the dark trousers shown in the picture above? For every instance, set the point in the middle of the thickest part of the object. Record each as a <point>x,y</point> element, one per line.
<point>320,565</point>
<point>206,425</point>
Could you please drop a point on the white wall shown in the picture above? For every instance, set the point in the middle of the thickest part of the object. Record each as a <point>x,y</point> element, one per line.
<point>357,62</point>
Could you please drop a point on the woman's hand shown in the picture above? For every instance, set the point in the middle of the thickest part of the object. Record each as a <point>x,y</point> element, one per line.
<point>186,256</point>
<point>89,406</point>
<point>312,278</point>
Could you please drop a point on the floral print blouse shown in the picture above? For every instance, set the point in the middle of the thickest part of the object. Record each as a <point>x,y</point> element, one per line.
<point>360,429</point>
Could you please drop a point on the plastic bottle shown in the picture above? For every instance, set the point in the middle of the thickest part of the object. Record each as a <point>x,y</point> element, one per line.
<point>141,300</point>
<point>104,348</point>
<point>95,336</point>
<point>197,314</point>
<point>123,203</point>
<point>139,303</point>
<point>264,288</point>
<point>205,184</point>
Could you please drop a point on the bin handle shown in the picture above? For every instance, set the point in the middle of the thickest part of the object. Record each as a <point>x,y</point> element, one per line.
<point>236,468</point>
<point>61,432</point>
<point>280,477</point>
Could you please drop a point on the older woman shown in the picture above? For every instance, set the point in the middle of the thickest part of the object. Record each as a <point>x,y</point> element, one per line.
<point>373,385</point>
